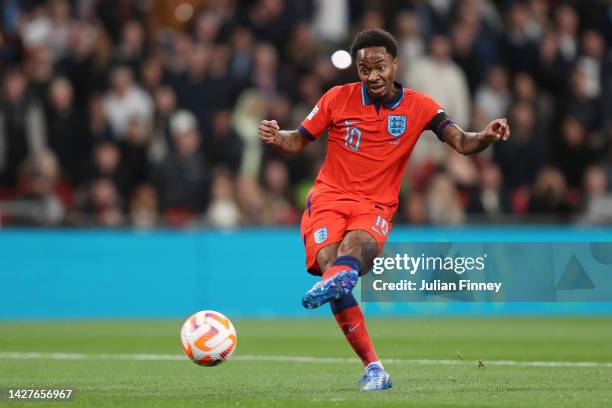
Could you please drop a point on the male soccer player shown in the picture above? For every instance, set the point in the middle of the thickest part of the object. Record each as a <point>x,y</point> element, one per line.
<point>373,126</point>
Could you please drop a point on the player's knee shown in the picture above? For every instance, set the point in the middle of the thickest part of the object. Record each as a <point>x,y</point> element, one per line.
<point>351,245</point>
<point>328,263</point>
<point>361,245</point>
<point>326,257</point>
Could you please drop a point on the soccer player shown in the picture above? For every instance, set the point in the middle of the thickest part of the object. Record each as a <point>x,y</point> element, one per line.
<point>373,126</point>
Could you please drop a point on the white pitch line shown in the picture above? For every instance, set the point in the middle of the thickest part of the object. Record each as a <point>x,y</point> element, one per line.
<point>294,359</point>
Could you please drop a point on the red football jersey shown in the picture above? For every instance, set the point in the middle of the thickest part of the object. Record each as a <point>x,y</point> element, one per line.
<point>368,144</point>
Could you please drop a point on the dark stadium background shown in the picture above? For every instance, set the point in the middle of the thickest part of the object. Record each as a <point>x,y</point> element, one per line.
<point>134,192</point>
<point>145,113</point>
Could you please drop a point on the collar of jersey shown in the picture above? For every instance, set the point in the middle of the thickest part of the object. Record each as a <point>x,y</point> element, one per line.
<point>392,104</point>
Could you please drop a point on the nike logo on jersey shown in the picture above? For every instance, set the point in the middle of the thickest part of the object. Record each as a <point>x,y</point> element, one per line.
<point>348,122</point>
<point>352,329</point>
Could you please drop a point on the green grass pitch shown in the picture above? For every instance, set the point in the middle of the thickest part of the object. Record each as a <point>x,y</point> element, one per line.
<point>453,379</point>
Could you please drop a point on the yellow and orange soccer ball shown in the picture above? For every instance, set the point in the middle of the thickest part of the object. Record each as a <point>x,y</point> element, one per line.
<point>208,338</point>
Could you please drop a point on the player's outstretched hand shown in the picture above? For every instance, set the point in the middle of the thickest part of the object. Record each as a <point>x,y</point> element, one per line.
<point>269,132</point>
<point>495,131</point>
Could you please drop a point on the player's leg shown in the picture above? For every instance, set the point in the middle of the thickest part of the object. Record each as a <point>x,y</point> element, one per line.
<point>323,227</point>
<point>334,261</point>
<point>355,255</point>
<point>362,247</point>
<point>340,273</point>
<point>339,277</point>
<point>341,269</point>
<point>357,248</point>
<point>368,229</point>
<point>326,257</point>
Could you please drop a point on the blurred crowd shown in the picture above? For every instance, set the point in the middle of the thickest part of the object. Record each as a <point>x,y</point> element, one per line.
<point>145,113</point>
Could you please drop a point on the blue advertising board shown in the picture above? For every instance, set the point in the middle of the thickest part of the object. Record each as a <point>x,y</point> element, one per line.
<point>243,273</point>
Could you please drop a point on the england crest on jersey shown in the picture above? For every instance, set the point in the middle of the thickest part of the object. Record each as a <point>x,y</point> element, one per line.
<point>396,125</point>
<point>320,235</point>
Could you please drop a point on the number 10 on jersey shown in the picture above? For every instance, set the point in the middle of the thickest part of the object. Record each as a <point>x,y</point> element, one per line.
<point>352,137</point>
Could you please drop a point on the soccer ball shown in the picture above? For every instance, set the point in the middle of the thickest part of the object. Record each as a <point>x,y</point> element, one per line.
<point>208,338</point>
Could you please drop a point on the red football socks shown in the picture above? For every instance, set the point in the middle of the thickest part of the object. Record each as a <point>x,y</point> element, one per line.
<point>352,324</point>
<point>349,316</point>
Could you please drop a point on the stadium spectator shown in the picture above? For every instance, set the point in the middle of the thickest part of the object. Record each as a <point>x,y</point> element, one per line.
<point>518,46</point>
<point>573,148</point>
<point>251,201</point>
<point>437,75</point>
<point>98,128</point>
<point>152,74</point>
<point>414,209</point>
<point>463,38</point>
<point>538,11</point>
<point>183,178</point>
<point>548,202</point>
<point>99,204</point>
<point>206,27</point>
<point>191,85</point>
<point>225,147</point>
<point>125,100</point>
<point>303,49</point>
<point>88,62</point>
<point>278,197</point>
<point>23,131</point>
<point>494,97</point>
<point>134,165</point>
<point>523,155</point>
<point>524,88</point>
<point>242,42</point>
<point>50,29</point>
<point>489,201</point>
<point>165,107</point>
<point>553,68</point>
<point>331,21</point>
<point>410,42</point>
<point>579,102</point>
<point>131,50</point>
<point>223,211</point>
<point>270,20</point>
<point>106,164</point>
<point>443,202</point>
<point>567,23</point>
<point>38,201</point>
<point>38,67</point>
<point>250,109</point>
<point>597,203</point>
<point>265,75</point>
<point>66,129</point>
<point>144,207</point>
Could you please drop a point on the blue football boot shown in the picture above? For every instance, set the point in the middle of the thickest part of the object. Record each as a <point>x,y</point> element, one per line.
<point>375,379</point>
<point>330,289</point>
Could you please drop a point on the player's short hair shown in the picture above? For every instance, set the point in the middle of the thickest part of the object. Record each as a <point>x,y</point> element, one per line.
<point>375,37</point>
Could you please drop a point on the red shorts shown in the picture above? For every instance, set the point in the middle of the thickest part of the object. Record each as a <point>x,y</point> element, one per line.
<point>329,216</point>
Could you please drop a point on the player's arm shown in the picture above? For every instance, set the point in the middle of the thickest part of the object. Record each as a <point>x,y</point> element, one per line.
<point>294,141</point>
<point>288,141</point>
<point>468,142</point>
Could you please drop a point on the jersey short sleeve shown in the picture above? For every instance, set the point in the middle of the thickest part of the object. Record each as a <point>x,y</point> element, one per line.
<point>435,118</point>
<point>320,117</point>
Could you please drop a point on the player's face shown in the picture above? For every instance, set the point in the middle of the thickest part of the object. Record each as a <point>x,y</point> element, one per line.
<point>376,69</point>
